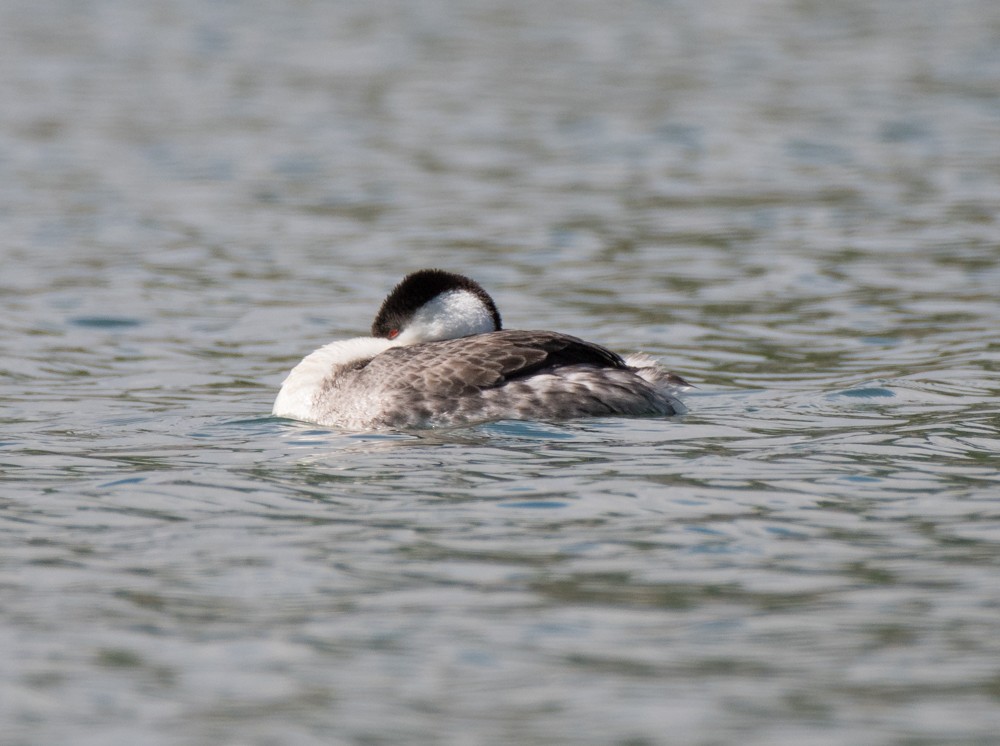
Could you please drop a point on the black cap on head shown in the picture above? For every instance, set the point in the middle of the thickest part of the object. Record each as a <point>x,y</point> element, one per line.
<point>417,289</point>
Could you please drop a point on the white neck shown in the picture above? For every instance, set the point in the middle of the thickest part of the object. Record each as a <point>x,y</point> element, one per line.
<point>300,387</point>
<point>457,313</point>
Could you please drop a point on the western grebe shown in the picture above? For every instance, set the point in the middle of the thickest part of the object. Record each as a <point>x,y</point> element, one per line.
<point>438,357</point>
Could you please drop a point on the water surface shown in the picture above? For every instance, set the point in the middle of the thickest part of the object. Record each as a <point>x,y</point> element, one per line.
<point>794,204</point>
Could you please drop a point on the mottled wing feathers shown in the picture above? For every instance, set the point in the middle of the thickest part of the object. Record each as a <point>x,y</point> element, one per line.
<point>552,350</point>
<point>498,375</point>
<point>458,367</point>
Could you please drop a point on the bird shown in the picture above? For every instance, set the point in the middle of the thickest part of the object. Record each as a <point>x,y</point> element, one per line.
<point>438,356</point>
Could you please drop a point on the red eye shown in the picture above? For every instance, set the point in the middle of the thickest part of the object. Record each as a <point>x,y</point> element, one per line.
<point>394,333</point>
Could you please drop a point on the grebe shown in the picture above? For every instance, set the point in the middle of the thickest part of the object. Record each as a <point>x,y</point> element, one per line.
<point>438,357</point>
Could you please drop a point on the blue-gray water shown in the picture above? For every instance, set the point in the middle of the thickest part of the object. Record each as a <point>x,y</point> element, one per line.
<point>794,204</point>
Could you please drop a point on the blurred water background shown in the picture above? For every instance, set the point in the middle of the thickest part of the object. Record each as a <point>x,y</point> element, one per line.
<point>794,203</point>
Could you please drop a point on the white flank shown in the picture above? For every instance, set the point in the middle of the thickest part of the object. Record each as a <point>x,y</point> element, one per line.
<point>650,369</point>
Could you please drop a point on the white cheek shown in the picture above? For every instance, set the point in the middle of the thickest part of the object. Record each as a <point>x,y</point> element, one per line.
<point>458,313</point>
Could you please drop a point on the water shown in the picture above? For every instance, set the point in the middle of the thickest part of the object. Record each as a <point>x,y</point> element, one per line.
<point>795,204</point>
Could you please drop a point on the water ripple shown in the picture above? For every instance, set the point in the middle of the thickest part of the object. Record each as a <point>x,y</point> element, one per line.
<point>793,204</point>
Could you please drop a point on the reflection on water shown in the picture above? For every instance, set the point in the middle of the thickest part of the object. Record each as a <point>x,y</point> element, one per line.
<point>794,204</point>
